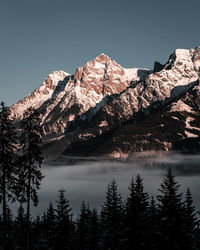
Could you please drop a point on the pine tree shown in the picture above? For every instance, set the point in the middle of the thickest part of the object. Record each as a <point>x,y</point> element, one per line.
<point>64,223</point>
<point>7,169</point>
<point>154,230</point>
<point>137,219</point>
<point>94,230</point>
<point>20,228</point>
<point>112,223</point>
<point>50,216</point>
<point>49,227</point>
<point>9,216</point>
<point>190,222</point>
<point>37,241</point>
<point>171,214</point>
<point>20,219</point>
<point>7,236</point>
<point>82,228</point>
<point>30,175</point>
<point>197,234</point>
<point>87,229</point>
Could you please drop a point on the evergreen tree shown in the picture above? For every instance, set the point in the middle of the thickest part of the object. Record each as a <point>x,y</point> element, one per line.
<point>82,228</point>
<point>9,217</point>
<point>197,234</point>
<point>94,230</point>
<point>20,219</point>
<point>37,241</point>
<point>137,219</point>
<point>20,228</point>
<point>190,222</point>
<point>7,169</point>
<point>49,227</point>
<point>154,230</point>
<point>50,217</point>
<point>112,223</point>
<point>87,229</point>
<point>171,214</point>
<point>64,223</point>
<point>7,236</point>
<point>30,175</point>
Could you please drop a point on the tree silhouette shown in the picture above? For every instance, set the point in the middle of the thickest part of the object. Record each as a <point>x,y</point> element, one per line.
<point>190,222</point>
<point>82,228</point>
<point>50,226</point>
<point>93,230</point>
<point>141,224</point>
<point>154,230</point>
<point>137,219</point>
<point>20,228</point>
<point>112,219</point>
<point>7,169</point>
<point>64,224</point>
<point>30,174</point>
<point>171,213</point>
<point>87,229</point>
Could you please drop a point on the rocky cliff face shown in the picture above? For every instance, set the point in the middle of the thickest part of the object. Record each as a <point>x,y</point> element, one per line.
<point>175,126</point>
<point>63,97</point>
<point>52,85</point>
<point>103,101</point>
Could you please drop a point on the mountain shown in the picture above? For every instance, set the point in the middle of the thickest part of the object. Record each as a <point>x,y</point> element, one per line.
<point>105,109</point>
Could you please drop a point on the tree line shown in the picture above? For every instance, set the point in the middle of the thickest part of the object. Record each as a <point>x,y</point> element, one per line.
<point>167,222</point>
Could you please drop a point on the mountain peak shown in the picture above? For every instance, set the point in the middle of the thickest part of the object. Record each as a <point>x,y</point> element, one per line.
<point>102,95</point>
<point>195,53</point>
<point>102,57</point>
<point>182,52</point>
<point>57,74</point>
<point>54,77</point>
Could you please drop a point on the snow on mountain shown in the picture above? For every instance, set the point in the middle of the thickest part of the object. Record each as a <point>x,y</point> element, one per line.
<point>177,76</point>
<point>102,95</point>
<point>40,95</point>
<point>175,126</point>
<point>141,99</point>
<point>137,74</point>
<point>62,96</point>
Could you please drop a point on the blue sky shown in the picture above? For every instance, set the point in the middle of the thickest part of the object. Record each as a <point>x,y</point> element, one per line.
<point>41,36</point>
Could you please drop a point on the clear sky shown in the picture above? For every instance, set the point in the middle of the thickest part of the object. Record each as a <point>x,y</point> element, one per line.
<point>41,36</point>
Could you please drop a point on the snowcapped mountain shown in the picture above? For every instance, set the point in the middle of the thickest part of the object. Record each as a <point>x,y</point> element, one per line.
<point>126,109</point>
<point>51,86</point>
<point>62,97</point>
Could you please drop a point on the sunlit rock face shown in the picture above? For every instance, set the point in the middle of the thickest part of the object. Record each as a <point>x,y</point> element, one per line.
<point>195,54</point>
<point>40,95</point>
<point>128,110</point>
<point>62,96</point>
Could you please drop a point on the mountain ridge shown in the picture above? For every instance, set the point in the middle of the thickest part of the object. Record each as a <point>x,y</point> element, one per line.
<point>102,95</point>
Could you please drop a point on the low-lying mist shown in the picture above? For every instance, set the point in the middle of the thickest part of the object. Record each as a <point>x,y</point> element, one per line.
<point>86,179</point>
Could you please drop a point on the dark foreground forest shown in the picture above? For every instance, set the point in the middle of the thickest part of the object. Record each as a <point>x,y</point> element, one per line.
<point>168,222</point>
<point>140,222</point>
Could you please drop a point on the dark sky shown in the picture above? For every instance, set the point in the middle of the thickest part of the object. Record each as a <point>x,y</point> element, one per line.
<point>41,36</point>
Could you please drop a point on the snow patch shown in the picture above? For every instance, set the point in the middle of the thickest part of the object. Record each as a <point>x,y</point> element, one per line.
<point>180,106</point>
<point>190,135</point>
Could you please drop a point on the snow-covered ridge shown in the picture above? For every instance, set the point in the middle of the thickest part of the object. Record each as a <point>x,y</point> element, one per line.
<point>40,95</point>
<point>58,95</point>
<point>136,74</point>
<point>104,94</point>
<point>90,84</point>
<point>158,89</point>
